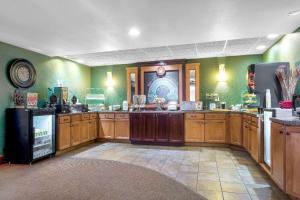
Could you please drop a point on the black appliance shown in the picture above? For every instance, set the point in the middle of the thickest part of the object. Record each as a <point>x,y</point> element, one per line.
<point>262,77</point>
<point>30,134</point>
<point>62,97</point>
<point>296,103</point>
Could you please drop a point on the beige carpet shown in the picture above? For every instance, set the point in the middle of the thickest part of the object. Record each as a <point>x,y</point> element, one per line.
<point>71,178</point>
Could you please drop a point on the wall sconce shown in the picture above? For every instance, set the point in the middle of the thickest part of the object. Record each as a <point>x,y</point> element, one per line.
<point>109,80</point>
<point>222,73</point>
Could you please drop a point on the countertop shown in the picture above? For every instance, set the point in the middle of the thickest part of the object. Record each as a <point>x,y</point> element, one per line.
<point>166,111</point>
<point>287,121</point>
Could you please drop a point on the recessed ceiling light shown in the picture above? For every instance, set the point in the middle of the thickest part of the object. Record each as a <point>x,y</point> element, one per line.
<point>261,47</point>
<point>272,36</point>
<point>34,49</point>
<point>134,32</point>
<point>79,61</point>
<point>293,13</point>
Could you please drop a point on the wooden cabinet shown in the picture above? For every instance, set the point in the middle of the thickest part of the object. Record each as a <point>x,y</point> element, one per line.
<point>63,133</point>
<point>293,161</point>
<point>285,159</point>
<point>235,128</point>
<point>92,129</point>
<point>137,122</point>
<point>215,131</point>
<point>113,126</point>
<point>107,125</point>
<point>194,127</point>
<point>246,135</point>
<point>121,126</point>
<point>149,128</point>
<point>278,154</point>
<point>175,128</point>
<point>251,136</point>
<point>84,131</point>
<point>75,133</point>
<point>161,125</point>
<point>157,127</point>
<point>75,129</point>
<point>254,137</point>
<point>107,128</point>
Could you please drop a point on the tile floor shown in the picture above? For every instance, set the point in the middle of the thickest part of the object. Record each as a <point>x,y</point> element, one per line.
<point>215,173</point>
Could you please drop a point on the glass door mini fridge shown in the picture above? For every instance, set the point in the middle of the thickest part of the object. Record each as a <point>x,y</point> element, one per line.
<point>30,134</point>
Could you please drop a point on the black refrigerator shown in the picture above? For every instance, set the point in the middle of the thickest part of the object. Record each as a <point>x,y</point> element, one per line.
<point>261,77</point>
<point>30,134</point>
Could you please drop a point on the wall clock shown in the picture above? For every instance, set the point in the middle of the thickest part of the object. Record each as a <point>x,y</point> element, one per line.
<point>161,71</point>
<point>21,73</point>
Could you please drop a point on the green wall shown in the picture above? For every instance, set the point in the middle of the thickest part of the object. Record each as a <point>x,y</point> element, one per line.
<point>287,49</point>
<point>236,68</point>
<point>49,70</point>
<point>119,93</point>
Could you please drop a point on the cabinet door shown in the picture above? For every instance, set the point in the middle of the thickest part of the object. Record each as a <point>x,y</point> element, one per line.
<point>107,128</point>
<point>84,131</point>
<point>277,154</point>
<point>246,134</point>
<point>122,129</point>
<point>161,125</point>
<point>64,136</point>
<point>176,128</point>
<point>136,126</point>
<point>92,129</point>
<point>235,124</point>
<point>293,163</point>
<point>194,130</point>
<point>149,130</point>
<point>254,143</point>
<point>215,131</point>
<point>75,133</point>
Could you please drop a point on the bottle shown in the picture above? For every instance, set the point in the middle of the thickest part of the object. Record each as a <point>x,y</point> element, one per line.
<point>268,98</point>
<point>125,106</point>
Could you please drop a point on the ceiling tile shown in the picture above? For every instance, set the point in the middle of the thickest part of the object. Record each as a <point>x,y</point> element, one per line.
<point>210,49</point>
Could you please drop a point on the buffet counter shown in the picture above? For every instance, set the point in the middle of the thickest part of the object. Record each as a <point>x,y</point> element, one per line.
<point>285,150</point>
<point>287,121</point>
<point>151,126</point>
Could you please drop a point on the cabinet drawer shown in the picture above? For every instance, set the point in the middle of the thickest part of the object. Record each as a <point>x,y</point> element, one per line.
<point>122,116</point>
<point>194,116</point>
<point>235,115</point>
<point>93,116</point>
<point>255,121</point>
<point>75,118</point>
<point>85,117</point>
<point>106,116</point>
<point>64,119</point>
<point>246,117</point>
<point>215,116</point>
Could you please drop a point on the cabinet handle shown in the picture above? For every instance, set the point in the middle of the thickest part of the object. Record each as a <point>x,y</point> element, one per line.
<point>280,132</point>
<point>287,133</point>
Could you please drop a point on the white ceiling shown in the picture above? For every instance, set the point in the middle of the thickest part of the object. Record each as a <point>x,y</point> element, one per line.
<point>96,31</point>
<point>187,51</point>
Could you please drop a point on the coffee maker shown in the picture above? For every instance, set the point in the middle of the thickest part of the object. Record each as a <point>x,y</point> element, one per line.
<point>62,105</point>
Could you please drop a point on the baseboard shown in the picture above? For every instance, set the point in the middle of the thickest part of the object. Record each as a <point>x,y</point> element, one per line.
<point>1,159</point>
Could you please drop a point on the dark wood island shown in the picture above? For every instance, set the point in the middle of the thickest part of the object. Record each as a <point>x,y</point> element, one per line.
<point>157,127</point>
